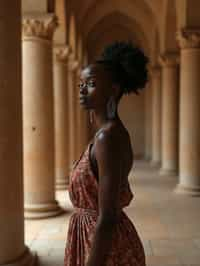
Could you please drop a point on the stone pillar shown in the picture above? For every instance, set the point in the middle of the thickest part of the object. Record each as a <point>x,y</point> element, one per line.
<point>72,110</point>
<point>61,116</point>
<point>38,118</point>
<point>156,116</point>
<point>170,106</point>
<point>148,121</point>
<point>189,166</point>
<point>13,251</point>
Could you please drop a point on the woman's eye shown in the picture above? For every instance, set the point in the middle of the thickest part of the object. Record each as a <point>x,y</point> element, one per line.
<point>91,83</point>
<point>80,85</point>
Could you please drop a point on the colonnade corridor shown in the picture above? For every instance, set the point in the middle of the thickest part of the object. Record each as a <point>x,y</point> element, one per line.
<point>167,222</point>
<point>44,46</point>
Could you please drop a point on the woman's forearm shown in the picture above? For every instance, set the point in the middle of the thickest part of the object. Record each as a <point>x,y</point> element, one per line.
<point>101,243</point>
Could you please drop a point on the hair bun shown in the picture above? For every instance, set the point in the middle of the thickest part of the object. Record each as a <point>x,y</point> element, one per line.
<point>128,65</point>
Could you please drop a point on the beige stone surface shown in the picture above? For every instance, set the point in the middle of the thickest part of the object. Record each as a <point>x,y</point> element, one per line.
<point>148,121</point>
<point>170,113</point>
<point>61,116</point>
<point>132,113</point>
<point>38,118</point>
<point>156,115</point>
<point>12,247</point>
<point>189,181</point>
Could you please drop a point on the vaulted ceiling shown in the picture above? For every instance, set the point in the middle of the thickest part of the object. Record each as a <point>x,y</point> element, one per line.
<point>102,21</point>
<point>151,24</point>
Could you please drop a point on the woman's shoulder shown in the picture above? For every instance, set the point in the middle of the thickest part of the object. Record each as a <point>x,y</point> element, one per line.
<point>113,132</point>
<point>113,144</point>
<point>113,135</point>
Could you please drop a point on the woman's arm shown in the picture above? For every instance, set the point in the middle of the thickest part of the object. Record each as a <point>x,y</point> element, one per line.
<point>107,153</point>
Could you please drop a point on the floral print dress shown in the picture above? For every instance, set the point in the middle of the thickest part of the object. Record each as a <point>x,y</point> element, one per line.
<point>126,248</point>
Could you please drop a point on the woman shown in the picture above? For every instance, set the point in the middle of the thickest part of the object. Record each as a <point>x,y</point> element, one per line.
<point>100,233</point>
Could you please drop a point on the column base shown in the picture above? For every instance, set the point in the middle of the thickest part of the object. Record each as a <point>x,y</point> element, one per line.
<point>28,258</point>
<point>41,211</point>
<point>147,157</point>
<point>155,164</point>
<point>168,172</point>
<point>190,191</point>
<point>62,184</point>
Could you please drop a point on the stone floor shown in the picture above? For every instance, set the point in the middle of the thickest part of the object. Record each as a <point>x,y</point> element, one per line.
<point>168,223</point>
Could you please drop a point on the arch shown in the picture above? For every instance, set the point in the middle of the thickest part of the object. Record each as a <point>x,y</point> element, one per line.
<point>130,9</point>
<point>168,27</point>
<point>114,21</point>
<point>153,6</point>
<point>72,33</point>
<point>119,33</point>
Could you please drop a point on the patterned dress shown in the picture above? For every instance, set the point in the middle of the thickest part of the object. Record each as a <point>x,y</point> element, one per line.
<point>126,248</point>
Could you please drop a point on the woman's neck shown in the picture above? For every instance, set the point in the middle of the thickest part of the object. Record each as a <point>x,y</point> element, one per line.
<point>100,118</point>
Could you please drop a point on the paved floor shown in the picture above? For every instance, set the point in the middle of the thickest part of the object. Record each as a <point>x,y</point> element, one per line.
<point>168,223</point>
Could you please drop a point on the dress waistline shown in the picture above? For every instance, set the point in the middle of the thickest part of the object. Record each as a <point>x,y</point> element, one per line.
<point>91,211</point>
<point>86,211</point>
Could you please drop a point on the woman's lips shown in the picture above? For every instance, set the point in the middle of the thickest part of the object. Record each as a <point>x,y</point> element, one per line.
<point>82,99</point>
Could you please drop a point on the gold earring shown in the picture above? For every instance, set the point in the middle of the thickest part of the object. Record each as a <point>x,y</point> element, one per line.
<point>91,117</point>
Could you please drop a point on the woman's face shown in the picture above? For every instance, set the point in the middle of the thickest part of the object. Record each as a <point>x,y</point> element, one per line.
<point>94,87</point>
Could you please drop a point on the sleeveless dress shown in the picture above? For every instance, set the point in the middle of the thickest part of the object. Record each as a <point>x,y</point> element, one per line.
<point>126,248</point>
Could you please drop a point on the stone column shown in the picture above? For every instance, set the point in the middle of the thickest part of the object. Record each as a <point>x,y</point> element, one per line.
<point>61,116</point>
<point>156,116</point>
<point>170,105</point>
<point>38,118</point>
<point>72,110</point>
<point>148,121</point>
<point>189,179</point>
<point>13,251</point>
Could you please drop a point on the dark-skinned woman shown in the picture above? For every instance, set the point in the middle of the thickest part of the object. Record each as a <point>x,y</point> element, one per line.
<point>100,233</point>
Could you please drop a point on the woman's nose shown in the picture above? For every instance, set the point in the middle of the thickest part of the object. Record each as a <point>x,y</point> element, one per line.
<point>83,89</point>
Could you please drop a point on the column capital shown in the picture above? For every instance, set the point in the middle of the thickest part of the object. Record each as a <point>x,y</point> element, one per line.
<point>62,53</point>
<point>188,38</point>
<point>40,26</point>
<point>169,59</point>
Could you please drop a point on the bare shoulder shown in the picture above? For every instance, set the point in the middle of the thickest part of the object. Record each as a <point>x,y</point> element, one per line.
<point>111,140</point>
<point>112,148</point>
<point>108,134</point>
